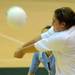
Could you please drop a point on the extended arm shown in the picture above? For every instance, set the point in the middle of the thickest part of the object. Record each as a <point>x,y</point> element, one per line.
<point>26,48</point>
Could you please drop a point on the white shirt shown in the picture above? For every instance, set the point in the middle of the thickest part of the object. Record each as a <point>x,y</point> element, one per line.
<point>63,40</point>
<point>46,35</point>
<point>62,45</point>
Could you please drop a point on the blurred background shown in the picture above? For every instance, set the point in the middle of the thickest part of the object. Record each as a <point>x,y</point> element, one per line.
<point>40,13</point>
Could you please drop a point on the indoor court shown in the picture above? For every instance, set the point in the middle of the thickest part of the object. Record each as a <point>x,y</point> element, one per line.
<point>39,15</point>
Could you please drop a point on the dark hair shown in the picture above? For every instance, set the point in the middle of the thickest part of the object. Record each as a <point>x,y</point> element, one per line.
<point>46,28</point>
<point>66,15</point>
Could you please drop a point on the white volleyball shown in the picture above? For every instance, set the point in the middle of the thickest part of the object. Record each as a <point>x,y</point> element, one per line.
<point>16,16</point>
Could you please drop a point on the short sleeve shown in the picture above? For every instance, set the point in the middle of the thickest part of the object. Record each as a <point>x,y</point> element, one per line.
<point>50,44</point>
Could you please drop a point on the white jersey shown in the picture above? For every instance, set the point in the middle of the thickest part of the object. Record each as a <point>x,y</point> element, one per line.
<point>63,46</point>
<point>46,35</point>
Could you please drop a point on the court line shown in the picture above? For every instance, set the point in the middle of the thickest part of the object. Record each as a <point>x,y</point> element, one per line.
<point>11,38</point>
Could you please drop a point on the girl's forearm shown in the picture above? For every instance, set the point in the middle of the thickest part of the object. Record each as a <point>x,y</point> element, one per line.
<point>21,52</point>
<point>31,42</point>
<point>29,49</point>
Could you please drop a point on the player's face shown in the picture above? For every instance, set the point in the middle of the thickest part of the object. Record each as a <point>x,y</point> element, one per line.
<point>57,25</point>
